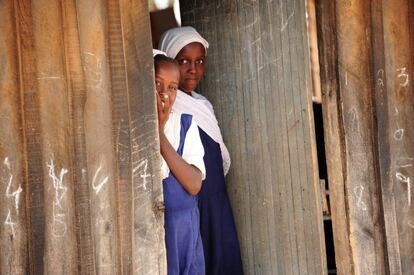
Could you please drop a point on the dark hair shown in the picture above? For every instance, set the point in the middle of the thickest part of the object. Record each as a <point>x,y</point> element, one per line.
<point>159,59</point>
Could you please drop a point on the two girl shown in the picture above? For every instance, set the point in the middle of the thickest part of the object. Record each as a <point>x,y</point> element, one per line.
<point>183,171</point>
<point>218,231</point>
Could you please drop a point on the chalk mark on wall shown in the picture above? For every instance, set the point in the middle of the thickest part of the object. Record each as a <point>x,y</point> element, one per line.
<point>59,226</point>
<point>9,222</point>
<point>16,194</point>
<point>97,188</point>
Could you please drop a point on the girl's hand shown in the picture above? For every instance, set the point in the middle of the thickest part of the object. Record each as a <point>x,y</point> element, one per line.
<point>163,109</point>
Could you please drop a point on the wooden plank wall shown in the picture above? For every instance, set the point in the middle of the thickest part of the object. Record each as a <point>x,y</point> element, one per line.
<point>368,116</point>
<point>258,80</point>
<point>79,171</point>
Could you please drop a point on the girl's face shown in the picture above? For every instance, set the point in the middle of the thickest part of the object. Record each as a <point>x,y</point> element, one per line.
<point>191,59</point>
<point>167,79</point>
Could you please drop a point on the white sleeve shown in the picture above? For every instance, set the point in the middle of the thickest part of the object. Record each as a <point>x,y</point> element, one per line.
<point>193,152</point>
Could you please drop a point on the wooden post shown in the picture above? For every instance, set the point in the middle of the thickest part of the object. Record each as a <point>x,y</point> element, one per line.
<point>333,131</point>
<point>362,192</point>
<point>395,111</point>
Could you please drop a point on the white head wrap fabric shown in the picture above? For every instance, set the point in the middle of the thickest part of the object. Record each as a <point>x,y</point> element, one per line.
<point>173,40</point>
<point>157,52</point>
<point>203,114</point>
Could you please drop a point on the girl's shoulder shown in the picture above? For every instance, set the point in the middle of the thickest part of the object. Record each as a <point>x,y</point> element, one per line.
<point>203,99</point>
<point>176,119</point>
<point>199,96</point>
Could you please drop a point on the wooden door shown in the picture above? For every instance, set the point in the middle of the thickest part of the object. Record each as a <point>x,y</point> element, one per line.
<point>79,171</point>
<point>258,80</point>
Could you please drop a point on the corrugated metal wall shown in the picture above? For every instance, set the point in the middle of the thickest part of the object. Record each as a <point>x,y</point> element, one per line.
<point>367,54</point>
<point>79,171</point>
<point>258,79</point>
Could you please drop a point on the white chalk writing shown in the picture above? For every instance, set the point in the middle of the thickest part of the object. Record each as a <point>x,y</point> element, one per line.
<point>143,174</point>
<point>12,194</point>
<point>10,223</point>
<point>404,179</point>
<point>17,192</point>
<point>59,225</point>
<point>97,188</point>
<point>93,70</point>
<point>354,121</point>
<point>359,192</point>
<point>403,75</point>
<point>399,134</point>
<point>380,80</point>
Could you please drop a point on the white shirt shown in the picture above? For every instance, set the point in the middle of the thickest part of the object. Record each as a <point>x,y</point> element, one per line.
<point>193,151</point>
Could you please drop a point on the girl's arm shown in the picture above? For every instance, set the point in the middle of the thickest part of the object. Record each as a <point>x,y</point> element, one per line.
<point>188,175</point>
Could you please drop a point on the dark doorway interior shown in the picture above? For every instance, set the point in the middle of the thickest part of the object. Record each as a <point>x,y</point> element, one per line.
<point>323,175</point>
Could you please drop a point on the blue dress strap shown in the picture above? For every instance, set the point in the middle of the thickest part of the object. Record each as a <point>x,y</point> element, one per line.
<point>185,125</point>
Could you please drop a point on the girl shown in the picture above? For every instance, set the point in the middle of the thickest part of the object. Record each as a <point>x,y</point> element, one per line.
<point>218,231</point>
<point>183,171</point>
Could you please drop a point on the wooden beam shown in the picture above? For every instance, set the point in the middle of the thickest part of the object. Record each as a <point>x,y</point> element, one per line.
<point>395,110</point>
<point>333,131</point>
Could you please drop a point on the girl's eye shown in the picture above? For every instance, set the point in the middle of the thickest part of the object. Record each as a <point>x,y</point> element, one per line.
<point>200,61</point>
<point>157,83</point>
<point>183,62</point>
<point>173,88</point>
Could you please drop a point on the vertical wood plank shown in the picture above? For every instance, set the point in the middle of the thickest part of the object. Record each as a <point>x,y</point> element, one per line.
<point>121,134</point>
<point>13,230</point>
<point>398,113</point>
<point>55,124</point>
<point>354,57</point>
<point>148,245</point>
<point>99,140</point>
<point>333,131</point>
<point>31,133</point>
<point>77,90</point>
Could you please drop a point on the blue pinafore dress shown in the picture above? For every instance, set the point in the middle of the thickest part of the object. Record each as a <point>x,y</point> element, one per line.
<point>182,222</point>
<point>217,226</point>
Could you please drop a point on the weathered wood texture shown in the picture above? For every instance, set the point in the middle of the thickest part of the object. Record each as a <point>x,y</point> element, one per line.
<point>368,110</point>
<point>78,142</point>
<point>333,131</point>
<point>258,79</point>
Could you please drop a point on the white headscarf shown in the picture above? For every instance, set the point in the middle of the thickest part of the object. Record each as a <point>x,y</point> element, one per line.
<point>157,52</point>
<point>173,40</point>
